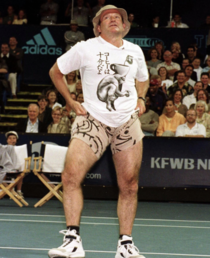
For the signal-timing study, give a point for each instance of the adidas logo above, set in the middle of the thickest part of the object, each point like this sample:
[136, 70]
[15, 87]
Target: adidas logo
[42, 44]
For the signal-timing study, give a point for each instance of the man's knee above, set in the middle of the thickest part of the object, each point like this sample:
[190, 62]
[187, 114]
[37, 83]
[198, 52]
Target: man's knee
[129, 186]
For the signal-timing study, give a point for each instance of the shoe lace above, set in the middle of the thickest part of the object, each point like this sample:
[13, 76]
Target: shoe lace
[128, 249]
[66, 233]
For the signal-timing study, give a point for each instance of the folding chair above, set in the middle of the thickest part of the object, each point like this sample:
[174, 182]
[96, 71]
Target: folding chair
[22, 167]
[51, 162]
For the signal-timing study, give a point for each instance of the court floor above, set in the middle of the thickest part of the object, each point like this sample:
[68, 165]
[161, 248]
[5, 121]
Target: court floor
[161, 230]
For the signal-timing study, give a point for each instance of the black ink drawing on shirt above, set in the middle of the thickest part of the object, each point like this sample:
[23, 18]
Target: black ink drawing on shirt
[110, 87]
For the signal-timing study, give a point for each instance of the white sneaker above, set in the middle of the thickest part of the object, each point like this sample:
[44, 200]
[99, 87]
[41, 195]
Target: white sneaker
[71, 247]
[127, 249]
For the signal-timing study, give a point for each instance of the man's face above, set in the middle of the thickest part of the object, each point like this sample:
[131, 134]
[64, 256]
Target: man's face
[11, 140]
[181, 77]
[131, 17]
[202, 95]
[111, 22]
[13, 41]
[74, 27]
[177, 18]
[33, 112]
[167, 56]
[42, 103]
[188, 71]
[198, 86]
[191, 116]
[153, 89]
[205, 79]
[196, 63]
[10, 10]
[185, 63]
[190, 52]
[4, 49]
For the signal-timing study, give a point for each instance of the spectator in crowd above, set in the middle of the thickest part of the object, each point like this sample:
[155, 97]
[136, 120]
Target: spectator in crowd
[176, 57]
[169, 121]
[48, 12]
[71, 81]
[153, 61]
[185, 62]
[17, 52]
[191, 128]
[21, 18]
[180, 84]
[32, 123]
[179, 107]
[52, 99]
[78, 87]
[188, 74]
[191, 99]
[177, 19]
[204, 96]
[205, 81]
[4, 84]
[169, 65]
[12, 67]
[131, 18]
[206, 25]
[191, 54]
[44, 111]
[149, 120]
[80, 97]
[157, 97]
[160, 49]
[73, 36]
[197, 67]
[80, 13]
[177, 46]
[10, 15]
[165, 81]
[65, 119]
[56, 126]
[207, 68]
[202, 116]
[155, 22]
[96, 8]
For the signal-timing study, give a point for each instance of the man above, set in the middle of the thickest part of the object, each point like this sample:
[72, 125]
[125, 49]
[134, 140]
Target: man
[16, 52]
[169, 65]
[149, 120]
[12, 65]
[186, 62]
[191, 128]
[11, 137]
[188, 74]
[157, 97]
[110, 67]
[32, 124]
[81, 13]
[177, 22]
[180, 84]
[48, 12]
[191, 99]
[96, 8]
[191, 53]
[205, 81]
[73, 36]
[10, 15]
[197, 67]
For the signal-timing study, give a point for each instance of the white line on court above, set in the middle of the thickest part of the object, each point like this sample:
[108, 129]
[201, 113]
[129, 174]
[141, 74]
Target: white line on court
[90, 217]
[97, 251]
[104, 224]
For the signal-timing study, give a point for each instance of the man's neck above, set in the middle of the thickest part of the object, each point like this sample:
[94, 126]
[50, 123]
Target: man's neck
[114, 40]
[181, 84]
[33, 121]
[168, 62]
[190, 125]
[12, 47]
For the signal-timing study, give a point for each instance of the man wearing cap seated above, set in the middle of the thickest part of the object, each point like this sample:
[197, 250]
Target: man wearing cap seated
[73, 36]
[114, 81]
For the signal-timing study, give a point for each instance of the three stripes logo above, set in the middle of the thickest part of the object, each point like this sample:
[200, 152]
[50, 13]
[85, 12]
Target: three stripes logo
[42, 44]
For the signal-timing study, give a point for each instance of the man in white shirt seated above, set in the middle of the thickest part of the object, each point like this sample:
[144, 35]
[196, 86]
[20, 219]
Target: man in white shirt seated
[197, 68]
[191, 99]
[191, 128]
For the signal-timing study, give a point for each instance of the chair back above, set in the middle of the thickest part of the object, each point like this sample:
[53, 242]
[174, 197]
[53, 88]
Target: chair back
[54, 158]
[21, 153]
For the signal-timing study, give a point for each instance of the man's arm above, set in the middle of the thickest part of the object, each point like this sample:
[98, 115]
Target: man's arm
[58, 80]
[142, 88]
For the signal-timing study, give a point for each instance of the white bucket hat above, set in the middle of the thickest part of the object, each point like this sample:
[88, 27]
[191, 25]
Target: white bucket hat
[123, 13]
[11, 133]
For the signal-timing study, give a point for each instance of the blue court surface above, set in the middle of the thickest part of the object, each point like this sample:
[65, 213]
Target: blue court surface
[161, 230]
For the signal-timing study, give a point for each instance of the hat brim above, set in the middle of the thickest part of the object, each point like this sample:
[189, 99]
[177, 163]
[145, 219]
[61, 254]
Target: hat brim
[123, 13]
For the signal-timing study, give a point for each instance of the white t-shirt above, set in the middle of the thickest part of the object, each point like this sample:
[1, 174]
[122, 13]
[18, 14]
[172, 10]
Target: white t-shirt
[189, 100]
[197, 129]
[108, 76]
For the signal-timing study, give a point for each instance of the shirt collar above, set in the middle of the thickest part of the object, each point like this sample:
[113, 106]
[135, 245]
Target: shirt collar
[29, 122]
[7, 55]
[110, 45]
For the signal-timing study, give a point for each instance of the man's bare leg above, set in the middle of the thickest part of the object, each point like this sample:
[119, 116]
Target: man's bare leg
[79, 159]
[127, 164]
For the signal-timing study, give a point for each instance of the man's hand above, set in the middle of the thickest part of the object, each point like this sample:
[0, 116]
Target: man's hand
[77, 107]
[140, 106]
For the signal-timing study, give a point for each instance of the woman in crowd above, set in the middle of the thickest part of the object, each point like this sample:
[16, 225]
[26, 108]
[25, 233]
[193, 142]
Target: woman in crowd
[207, 68]
[56, 126]
[202, 116]
[71, 80]
[20, 19]
[44, 111]
[52, 99]
[160, 49]
[80, 97]
[169, 121]
[204, 96]
[176, 46]
[165, 81]
[153, 61]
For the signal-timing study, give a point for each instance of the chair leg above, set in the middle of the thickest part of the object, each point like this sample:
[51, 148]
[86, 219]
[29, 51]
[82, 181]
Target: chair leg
[19, 197]
[11, 195]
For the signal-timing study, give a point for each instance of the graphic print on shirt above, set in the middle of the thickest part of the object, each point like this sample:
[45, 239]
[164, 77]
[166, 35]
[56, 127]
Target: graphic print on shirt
[110, 87]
